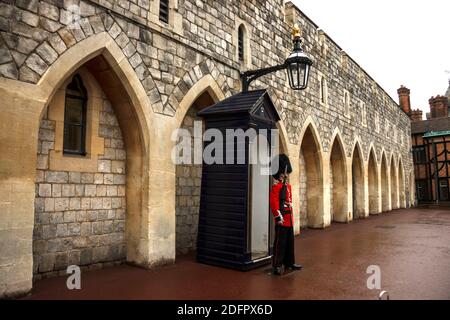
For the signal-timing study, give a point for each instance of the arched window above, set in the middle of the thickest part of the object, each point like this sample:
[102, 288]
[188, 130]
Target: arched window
[241, 43]
[75, 118]
[164, 10]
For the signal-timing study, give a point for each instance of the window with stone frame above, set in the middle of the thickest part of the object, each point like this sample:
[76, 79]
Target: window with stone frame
[241, 43]
[75, 111]
[164, 11]
[322, 43]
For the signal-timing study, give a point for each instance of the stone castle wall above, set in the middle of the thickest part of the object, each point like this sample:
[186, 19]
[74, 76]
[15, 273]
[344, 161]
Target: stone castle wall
[188, 188]
[170, 62]
[169, 59]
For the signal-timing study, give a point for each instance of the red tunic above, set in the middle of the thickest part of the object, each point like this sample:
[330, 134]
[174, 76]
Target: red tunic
[275, 203]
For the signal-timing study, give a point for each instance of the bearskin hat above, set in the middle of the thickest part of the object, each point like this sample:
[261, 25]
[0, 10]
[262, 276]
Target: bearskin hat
[284, 166]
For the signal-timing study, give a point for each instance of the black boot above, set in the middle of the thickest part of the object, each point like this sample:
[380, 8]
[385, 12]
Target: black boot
[295, 266]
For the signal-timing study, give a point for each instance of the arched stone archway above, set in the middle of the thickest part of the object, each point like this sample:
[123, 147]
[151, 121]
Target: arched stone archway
[311, 180]
[374, 197]
[402, 187]
[384, 185]
[394, 185]
[189, 178]
[202, 94]
[338, 182]
[81, 203]
[147, 244]
[97, 209]
[358, 187]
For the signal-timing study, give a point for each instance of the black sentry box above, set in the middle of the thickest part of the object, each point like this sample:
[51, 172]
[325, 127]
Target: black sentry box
[235, 225]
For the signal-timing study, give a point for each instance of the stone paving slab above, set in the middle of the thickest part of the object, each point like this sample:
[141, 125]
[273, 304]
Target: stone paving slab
[411, 247]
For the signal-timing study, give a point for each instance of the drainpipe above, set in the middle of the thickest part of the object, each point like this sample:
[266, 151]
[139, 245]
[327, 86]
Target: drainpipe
[436, 173]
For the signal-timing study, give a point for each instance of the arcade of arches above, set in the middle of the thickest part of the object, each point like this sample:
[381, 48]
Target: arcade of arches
[123, 199]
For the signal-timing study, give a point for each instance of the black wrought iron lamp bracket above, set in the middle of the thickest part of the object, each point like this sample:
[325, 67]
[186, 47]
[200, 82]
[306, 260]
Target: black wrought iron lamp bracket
[251, 75]
[292, 63]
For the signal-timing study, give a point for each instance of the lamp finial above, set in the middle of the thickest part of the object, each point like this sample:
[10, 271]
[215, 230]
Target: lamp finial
[296, 31]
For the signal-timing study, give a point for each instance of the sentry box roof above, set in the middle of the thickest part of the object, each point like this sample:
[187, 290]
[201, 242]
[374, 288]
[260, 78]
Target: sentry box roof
[257, 104]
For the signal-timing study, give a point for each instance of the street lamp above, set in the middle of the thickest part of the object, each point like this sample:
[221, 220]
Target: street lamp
[297, 65]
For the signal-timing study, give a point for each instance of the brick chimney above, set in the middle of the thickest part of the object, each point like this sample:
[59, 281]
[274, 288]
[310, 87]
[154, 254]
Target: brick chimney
[439, 107]
[416, 115]
[404, 100]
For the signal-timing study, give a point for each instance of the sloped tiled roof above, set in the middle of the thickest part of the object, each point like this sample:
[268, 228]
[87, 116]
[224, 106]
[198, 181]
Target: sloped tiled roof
[438, 124]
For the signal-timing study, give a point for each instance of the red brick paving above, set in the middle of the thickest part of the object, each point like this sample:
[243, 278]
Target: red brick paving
[411, 246]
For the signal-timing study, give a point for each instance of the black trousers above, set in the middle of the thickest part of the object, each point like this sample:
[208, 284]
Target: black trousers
[283, 247]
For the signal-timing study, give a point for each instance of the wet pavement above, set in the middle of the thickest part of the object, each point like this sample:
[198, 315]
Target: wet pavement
[411, 247]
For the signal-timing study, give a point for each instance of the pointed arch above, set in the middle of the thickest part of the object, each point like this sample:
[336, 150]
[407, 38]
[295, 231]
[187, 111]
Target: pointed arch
[373, 181]
[337, 135]
[131, 105]
[338, 179]
[384, 181]
[311, 125]
[311, 177]
[356, 146]
[188, 176]
[358, 182]
[393, 183]
[205, 84]
[188, 84]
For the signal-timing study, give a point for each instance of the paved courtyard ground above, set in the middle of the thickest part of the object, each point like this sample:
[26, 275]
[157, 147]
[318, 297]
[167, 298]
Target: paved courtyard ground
[411, 247]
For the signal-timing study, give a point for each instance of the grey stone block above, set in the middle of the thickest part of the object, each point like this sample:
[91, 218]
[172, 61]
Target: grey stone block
[70, 216]
[61, 260]
[49, 11]
[31, 5]
[46, 262]
[56, 177]
[86, 256]
[74, 257]
[61, 204]
[74, 229]
[74, 177]
[61, 230]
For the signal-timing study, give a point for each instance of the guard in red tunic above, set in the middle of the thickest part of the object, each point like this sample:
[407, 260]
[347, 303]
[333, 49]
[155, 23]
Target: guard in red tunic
[281, 207]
